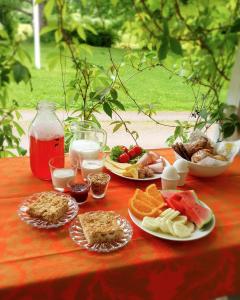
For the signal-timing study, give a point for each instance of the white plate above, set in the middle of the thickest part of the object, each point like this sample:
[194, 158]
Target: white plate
[197, 234]
[155, 176]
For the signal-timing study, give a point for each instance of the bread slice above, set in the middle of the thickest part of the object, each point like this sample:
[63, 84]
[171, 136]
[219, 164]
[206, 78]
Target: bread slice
[49, 207]
[100, 226]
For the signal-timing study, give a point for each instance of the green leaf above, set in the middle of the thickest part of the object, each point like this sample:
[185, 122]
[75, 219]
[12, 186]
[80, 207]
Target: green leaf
[177, 131]
[135, 134]
[95, 120]
[163, 50]
[58, 35]
[170, 140]
[175, 46]
[106, 148]
[203, 114]
[18, 128]
[200, 125]
[20, 73]
[118, 104]
[114, 2]
[165, 28]
[48, 28]
[84, 3]
[52, 63]
[21, 151]
[76, 96]
[228, 129]
[236, 26]
[81, 33]
[117, 126]
[114, 94]
[107, 108]
[1, 139]
[24, 56]
[48, 8]
[234, 117]
[90, 28]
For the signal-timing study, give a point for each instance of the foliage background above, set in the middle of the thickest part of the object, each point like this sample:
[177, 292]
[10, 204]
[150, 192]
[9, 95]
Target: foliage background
[191, 42]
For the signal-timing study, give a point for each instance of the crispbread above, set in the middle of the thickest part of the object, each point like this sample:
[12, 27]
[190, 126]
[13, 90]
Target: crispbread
[100, 226]
[49, 207]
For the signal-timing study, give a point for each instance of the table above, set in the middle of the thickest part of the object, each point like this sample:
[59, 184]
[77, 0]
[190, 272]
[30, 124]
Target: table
[47, 264]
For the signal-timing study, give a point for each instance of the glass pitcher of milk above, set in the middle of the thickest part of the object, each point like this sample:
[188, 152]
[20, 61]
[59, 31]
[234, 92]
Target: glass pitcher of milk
[88, 140]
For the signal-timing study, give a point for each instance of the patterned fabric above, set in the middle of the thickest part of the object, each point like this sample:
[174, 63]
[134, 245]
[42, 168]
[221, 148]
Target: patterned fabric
[47, 264]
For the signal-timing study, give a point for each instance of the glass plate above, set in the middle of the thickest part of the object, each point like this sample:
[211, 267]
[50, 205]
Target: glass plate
[77, 235]
[36, 222]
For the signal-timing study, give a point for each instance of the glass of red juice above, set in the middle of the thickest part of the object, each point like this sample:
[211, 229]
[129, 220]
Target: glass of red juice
[79, 191]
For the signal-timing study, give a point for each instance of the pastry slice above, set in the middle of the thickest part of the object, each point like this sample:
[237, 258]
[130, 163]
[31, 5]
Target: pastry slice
[100, 226]
[49, 207]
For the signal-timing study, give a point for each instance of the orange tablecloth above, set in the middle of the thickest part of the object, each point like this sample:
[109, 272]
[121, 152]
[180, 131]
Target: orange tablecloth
[47, 264]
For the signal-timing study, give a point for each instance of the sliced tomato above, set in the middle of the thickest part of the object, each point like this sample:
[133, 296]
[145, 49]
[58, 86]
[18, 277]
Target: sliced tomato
[124, 158]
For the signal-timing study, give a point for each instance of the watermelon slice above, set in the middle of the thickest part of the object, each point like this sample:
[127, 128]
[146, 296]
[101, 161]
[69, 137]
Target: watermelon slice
[187, 204]
[174, 202]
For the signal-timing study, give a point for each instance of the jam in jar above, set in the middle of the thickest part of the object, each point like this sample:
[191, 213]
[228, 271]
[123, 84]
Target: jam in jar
[79, 191]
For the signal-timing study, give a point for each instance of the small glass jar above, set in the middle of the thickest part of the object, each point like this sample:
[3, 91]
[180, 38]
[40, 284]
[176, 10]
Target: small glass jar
[79, 191]
[99, 184]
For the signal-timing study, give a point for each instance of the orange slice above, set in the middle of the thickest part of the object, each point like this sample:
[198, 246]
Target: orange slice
[148, 198]
[155, 193]
[140, 209]
[139, 194]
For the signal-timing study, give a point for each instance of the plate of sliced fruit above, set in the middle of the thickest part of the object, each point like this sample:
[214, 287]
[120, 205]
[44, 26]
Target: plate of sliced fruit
[135, 163]
[172, 215]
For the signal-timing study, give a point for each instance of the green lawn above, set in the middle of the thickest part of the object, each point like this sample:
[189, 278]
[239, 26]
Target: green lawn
[149, 86]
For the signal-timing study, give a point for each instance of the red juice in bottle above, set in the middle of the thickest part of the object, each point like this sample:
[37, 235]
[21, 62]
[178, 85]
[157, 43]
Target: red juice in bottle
[41, 151]
[46, 135]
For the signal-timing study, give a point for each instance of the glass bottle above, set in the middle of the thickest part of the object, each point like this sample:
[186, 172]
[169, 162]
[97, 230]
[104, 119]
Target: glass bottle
[46, 135]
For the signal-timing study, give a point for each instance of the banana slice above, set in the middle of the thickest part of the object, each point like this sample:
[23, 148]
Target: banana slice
[181, 219]
[169, 224]
[181, 230]
[190, 226]
[170, 221]
[150, 223]
[173, 215]
[163, 225]
[169, 214]
[166, 212]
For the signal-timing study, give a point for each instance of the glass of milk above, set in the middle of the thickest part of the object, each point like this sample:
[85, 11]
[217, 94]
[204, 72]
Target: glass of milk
[63, 171]
[92, 165]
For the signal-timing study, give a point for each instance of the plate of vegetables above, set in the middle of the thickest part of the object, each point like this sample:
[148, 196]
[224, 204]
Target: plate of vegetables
[135, 163]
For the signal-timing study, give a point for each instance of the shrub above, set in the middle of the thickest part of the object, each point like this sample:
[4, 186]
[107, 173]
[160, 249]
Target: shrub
[105, 34]
[105, 37]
